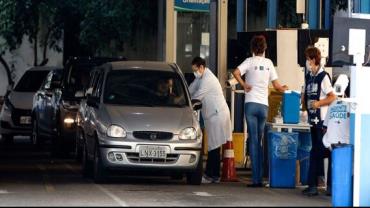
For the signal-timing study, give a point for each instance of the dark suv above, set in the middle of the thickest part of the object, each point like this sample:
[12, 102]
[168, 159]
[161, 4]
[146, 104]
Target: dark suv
[64, 102]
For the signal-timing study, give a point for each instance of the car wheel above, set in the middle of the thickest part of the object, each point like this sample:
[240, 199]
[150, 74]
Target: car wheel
[35, 137]
[7, 138]
[58, 147]
[78, 146]
[99, 169]
[86, 163]
[195, 178]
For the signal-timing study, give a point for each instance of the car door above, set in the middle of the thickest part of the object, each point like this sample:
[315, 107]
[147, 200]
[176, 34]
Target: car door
[91, 114]
[53, 96]
[43, 97]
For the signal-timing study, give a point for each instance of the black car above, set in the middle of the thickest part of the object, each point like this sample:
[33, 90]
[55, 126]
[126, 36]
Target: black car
[62, 103]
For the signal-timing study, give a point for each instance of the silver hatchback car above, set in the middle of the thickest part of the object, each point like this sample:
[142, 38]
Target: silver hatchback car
[139, 116]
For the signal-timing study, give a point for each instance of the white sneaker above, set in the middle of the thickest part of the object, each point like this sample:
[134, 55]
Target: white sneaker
[206, 180]
[218, 180]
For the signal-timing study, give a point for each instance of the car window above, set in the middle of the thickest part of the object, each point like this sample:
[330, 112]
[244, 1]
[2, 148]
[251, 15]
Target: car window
[31, 81]
[145, 88]
[47, 82]
[98, 85]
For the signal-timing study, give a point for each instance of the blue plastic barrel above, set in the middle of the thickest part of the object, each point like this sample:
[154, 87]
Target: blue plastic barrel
[282, 159]
[303, 155]
[290, 107]
[304, 165]
[342, 175]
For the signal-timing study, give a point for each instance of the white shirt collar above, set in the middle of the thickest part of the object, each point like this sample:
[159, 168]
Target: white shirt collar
[320, 70]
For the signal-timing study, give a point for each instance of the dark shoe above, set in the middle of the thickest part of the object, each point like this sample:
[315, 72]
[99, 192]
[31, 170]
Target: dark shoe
[310, 191]
[328, 191]
[255, 185]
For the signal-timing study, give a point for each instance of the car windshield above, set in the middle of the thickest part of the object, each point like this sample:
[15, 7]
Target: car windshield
[145, 88]
[31, 81]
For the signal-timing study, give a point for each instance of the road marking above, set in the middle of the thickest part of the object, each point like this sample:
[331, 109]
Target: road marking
[113, 196]
[4, 192]
[48, 186]
[206, 194]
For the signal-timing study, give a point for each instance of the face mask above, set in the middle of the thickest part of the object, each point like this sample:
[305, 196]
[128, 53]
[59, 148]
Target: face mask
[308, 66]
[197, 74]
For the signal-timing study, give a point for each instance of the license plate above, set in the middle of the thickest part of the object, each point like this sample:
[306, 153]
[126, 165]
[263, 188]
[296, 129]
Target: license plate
[25, 120]
[152, 152]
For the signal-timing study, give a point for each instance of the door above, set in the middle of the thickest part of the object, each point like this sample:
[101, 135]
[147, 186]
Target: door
[91, 115]
[44, 98]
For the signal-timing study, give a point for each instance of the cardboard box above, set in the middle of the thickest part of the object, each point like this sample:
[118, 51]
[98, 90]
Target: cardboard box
[275, 100]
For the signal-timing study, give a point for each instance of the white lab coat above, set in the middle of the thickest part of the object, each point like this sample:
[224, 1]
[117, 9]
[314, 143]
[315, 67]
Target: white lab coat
[215, 112]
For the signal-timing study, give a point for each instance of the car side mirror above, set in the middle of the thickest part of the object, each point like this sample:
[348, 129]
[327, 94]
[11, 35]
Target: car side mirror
[89, 92]
[92, 101]
[79, 94]
[197, 104]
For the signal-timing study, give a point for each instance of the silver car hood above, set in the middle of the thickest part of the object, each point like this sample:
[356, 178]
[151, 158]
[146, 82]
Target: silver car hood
[149, 118]
[21, 100]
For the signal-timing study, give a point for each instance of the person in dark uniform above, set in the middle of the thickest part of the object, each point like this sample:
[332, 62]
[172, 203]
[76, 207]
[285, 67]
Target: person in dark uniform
[318, 95]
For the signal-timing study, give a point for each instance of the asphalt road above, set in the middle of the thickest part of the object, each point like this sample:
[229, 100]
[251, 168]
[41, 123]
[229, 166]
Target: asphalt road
[30, 177]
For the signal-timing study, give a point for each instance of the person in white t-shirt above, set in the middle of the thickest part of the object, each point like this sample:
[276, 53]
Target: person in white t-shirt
[259, 72]
[337, 123]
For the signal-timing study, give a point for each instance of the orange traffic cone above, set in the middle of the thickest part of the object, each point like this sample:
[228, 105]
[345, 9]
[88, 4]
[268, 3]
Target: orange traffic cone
[228, 163]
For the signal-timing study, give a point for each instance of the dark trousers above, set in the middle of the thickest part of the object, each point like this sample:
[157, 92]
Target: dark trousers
[213, 163]
[316, 168]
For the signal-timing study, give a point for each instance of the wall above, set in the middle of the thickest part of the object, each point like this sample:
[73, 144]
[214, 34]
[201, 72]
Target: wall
[22, 59]
[288, 69]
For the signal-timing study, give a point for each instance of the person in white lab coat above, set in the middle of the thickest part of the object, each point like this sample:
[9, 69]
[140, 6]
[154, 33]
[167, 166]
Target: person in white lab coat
[215, 113]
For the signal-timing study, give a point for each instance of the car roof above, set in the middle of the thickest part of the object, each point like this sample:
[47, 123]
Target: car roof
[92, 61]
[43, 68]
[139, 65]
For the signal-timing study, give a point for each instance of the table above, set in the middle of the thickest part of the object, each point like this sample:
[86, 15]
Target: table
[290, 127]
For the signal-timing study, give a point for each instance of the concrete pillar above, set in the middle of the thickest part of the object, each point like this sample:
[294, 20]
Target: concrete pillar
[170, 31]
[272, 8]
[313, 14]
[240, 15]
[222, 41]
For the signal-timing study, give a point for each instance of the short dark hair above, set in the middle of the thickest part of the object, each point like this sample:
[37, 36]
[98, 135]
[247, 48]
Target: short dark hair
[258, 44]
[198, 61]
[313, 53]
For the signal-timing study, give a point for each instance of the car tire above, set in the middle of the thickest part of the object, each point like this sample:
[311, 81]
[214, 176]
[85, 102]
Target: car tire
[195, 178]
[59, 149]
[99, 169]
[36, 139]
[7, 138]
[87, 167]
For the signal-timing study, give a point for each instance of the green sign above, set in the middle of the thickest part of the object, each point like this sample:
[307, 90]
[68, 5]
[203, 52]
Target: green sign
[192, 5]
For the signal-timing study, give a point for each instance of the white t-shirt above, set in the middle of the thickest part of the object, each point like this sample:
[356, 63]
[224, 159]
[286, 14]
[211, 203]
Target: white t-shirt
[337, 121]
[259, 72]
[326, 88]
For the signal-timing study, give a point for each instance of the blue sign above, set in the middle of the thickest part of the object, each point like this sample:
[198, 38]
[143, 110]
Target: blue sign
[192, 5]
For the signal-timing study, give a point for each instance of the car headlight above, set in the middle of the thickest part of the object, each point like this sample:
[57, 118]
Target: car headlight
[188, 134]
[8, 106]
[116, 132]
